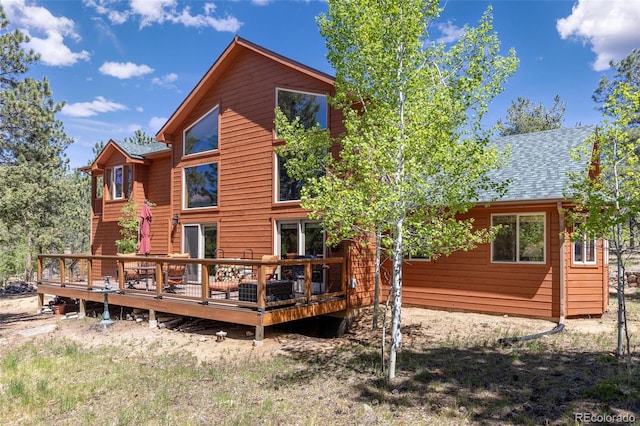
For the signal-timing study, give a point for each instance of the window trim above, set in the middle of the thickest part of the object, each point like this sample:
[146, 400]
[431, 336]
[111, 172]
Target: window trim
[184, 187]
[127, 182]
[276, 180]
[410, 258]
[584, 242]
[202, 117]
[113, 183]
[518, 261]
[324, 95]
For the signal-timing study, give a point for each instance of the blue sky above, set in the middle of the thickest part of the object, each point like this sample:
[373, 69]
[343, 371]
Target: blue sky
[127, 65]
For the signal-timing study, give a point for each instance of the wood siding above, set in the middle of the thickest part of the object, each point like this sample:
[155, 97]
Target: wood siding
[586, 294]
[150, 182]
[246, 211]
[244, 89]
[469, 281]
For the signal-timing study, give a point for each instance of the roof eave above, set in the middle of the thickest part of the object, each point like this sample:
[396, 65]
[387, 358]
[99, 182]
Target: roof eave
[521, 202]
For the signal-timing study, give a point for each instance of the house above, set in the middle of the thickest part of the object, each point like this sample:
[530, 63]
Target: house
[532, 268]
[220, 192]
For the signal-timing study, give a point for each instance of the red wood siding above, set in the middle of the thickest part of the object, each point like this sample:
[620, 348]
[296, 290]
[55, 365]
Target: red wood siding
[469, 281]
[246, 211]
[585, 294]
[245, 91]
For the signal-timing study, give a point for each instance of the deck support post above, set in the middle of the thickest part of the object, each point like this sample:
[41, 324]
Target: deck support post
[153, 322]
[40, 303]
[259, 337]
[83, 308]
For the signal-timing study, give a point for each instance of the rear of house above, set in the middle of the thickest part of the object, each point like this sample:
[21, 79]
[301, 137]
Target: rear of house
[218, 188]
[220, 191]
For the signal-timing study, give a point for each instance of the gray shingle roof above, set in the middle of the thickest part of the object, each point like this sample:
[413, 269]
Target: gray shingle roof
[139, 151]
[539, 162]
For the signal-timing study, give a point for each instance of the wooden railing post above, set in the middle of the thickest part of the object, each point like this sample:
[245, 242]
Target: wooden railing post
[89, 273]
[307, 280]
[160, 277]
[261, 289]
[39, 273]
[205, 282]
[121, 274]
[160, 268]
[63, 273]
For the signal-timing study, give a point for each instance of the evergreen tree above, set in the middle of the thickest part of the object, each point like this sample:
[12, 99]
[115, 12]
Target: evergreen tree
[525, 117]
[32, 145]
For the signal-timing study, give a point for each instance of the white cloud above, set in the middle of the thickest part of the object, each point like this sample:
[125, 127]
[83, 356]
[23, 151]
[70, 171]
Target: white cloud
[53, 51]
[261, 2]
[124, 70]
[104, 7]
[450, 32]
[89, 109]
[47, 32]
[611, 27]
[161, 11]
[165, 81]
[156, 123]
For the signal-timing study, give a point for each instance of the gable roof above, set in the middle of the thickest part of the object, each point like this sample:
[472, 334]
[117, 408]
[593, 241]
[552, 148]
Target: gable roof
[237, 47]
[136, 153]
[538, 164]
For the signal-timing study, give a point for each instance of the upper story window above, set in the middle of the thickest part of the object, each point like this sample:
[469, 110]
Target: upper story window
[120, 181]
[203, 135]
[521, 239]
[288, 189]
[584, 249]
[309, 108]
[200, 186]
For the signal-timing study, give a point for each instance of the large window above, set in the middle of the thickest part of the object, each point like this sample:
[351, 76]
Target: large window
[203, 135]
[201, 186]
[120, 181]
[288, 189]
[520, 239]
[310, 109]
[584, 250]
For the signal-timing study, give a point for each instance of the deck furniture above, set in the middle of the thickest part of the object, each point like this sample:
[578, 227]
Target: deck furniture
[175, 272]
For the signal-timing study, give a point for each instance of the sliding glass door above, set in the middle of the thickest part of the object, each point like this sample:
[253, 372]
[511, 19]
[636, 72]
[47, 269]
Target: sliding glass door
[200, 241]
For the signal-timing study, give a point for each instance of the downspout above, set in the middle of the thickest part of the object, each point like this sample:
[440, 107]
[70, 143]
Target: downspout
[563, 301]
[563, 298]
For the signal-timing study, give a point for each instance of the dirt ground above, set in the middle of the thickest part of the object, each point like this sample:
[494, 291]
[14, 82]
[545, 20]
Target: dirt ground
[19, 322]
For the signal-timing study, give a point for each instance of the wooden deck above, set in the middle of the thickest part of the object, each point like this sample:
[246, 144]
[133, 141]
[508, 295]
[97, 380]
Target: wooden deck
[303, 288]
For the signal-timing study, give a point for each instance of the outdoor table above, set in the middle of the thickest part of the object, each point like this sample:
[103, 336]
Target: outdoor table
[142, 270]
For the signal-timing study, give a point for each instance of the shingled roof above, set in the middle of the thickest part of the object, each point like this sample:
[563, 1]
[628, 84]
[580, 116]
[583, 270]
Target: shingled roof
[140, 151]
[538, 164]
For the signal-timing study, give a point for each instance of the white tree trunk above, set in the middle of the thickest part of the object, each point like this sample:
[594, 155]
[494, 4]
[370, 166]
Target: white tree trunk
[396, 306]
[376, 282]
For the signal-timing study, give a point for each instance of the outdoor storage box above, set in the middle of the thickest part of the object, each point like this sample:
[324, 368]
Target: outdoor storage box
[276, 290]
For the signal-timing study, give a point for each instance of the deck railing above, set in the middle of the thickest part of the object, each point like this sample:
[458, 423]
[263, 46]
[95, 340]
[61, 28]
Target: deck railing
[225, 281]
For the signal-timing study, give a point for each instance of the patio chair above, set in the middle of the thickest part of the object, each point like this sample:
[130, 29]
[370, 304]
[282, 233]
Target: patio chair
[175, 272]
[131, 276]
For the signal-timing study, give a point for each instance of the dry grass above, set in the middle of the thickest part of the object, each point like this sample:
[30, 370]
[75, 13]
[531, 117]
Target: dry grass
[451, 371]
